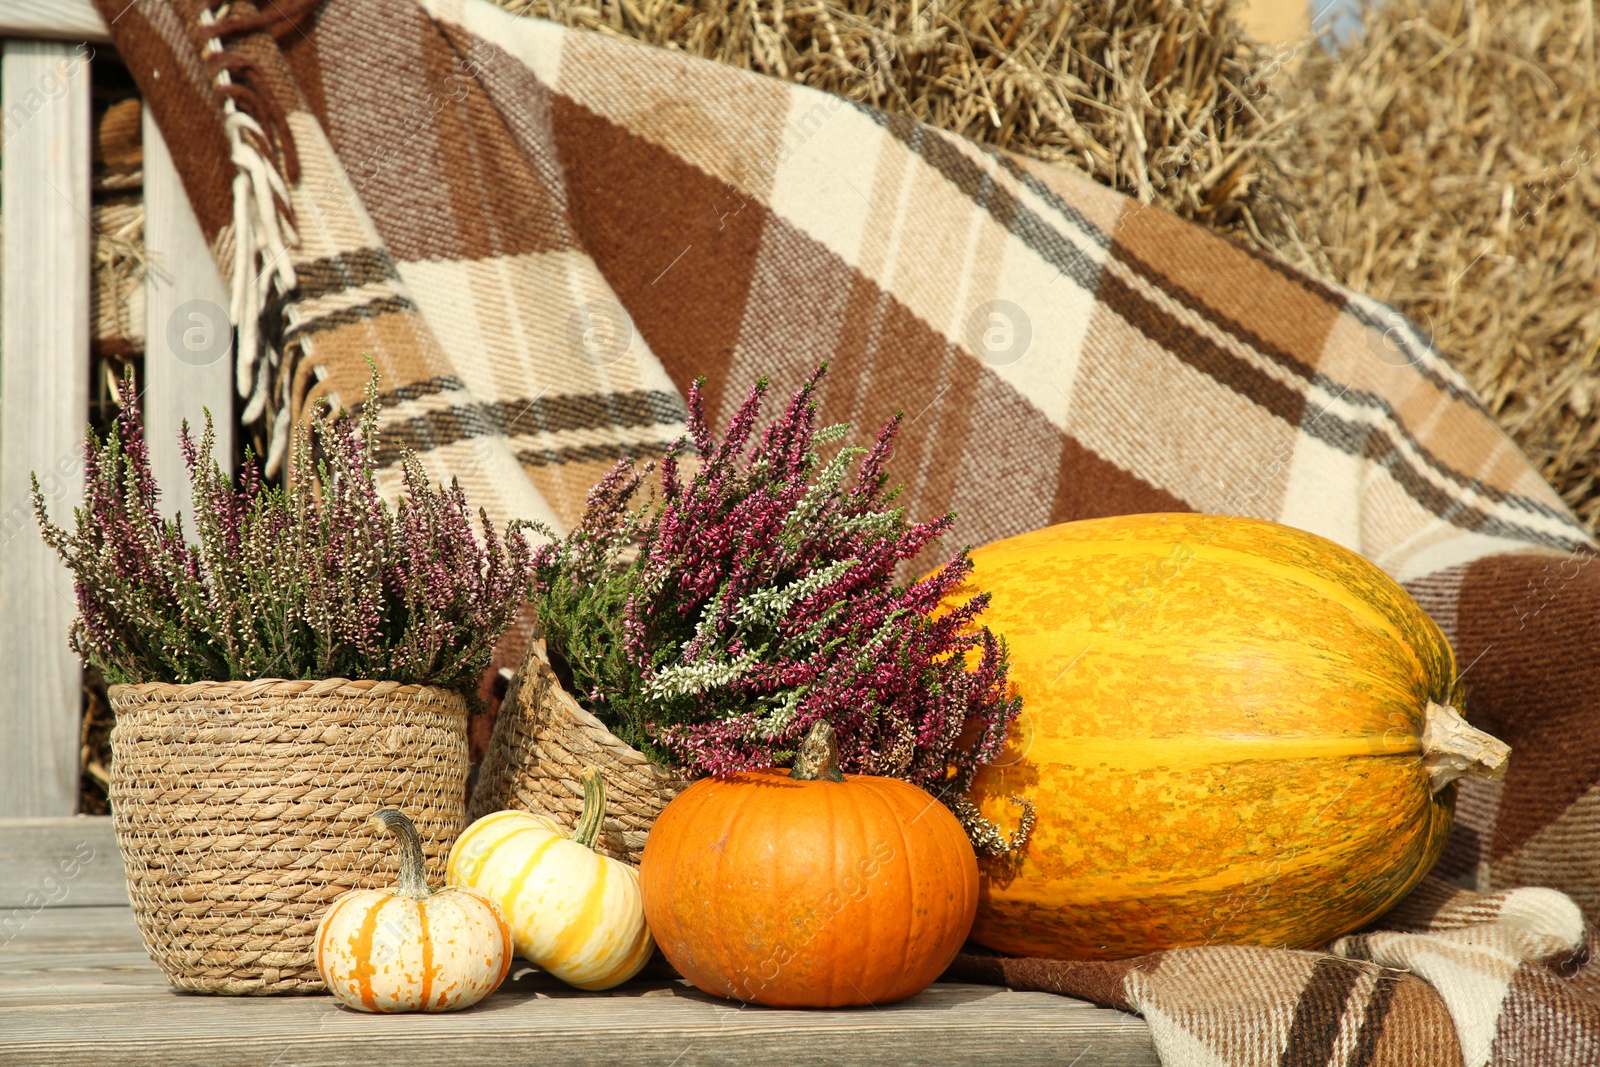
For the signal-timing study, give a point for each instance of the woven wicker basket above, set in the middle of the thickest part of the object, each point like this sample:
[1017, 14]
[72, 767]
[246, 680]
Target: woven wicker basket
[241, 812]
[543, 739]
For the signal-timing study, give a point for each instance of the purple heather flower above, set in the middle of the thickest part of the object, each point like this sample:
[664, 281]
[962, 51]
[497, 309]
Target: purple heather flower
[322, 579]
[717, 622]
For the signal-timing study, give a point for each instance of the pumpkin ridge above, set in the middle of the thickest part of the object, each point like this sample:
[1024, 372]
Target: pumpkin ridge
[504, 925]
[520, 882]
[721, 901]
[322, 944]
[485, 848]
[894, 814]
[864, 904]
[646, 947]
[1330, 589]
[581, 927]
[830, 951]
[1207, 551]
[427, 955]
[361, 948]
[1114, 888]
[1179, 750]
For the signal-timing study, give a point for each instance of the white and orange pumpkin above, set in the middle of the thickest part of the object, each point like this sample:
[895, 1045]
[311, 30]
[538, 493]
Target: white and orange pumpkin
[411, 949]
[573, 912]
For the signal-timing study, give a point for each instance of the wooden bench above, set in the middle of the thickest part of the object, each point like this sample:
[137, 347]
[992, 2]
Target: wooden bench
[76, 988]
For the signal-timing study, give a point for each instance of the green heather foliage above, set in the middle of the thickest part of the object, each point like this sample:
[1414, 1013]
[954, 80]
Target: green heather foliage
[320, 580]
[713, 624]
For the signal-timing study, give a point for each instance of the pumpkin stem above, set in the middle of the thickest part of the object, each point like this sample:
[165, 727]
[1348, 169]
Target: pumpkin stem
[819, 756]
[593, 817]
[1452, 748]
[413, 882]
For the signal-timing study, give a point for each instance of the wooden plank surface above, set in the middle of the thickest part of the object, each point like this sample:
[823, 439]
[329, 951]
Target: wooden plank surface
[62, 934]
[44, 405]
[188, 359]
[69, 1007]
[70, 20]
[534, 1020]
[76, 989]
[52, 863]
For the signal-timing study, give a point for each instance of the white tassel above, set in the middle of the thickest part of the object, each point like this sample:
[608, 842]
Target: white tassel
[238, 303]
[258, 394]
[278, 442]
[261, 261]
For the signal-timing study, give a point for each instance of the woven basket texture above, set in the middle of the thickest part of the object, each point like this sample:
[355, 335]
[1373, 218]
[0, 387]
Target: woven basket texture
[543, 740]
[241, 812]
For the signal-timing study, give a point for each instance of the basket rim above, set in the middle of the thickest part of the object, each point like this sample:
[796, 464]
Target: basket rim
[125, 696]
[583, 719]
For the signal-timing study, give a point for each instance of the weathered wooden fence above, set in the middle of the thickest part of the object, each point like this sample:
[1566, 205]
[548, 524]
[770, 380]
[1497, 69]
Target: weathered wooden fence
[48, 57]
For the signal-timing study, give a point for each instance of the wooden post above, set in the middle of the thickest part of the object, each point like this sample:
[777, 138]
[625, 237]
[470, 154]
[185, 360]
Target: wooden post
[188, 359]
[57, 20]
[44, 403]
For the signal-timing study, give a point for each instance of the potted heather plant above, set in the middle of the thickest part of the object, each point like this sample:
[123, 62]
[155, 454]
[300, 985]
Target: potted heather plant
[704, 629]
[298, 660]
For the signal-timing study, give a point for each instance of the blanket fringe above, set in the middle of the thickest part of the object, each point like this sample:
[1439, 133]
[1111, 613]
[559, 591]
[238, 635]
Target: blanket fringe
[263, 234]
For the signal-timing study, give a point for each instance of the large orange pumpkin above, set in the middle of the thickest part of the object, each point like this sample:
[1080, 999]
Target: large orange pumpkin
[808, 890]
[1233, 731]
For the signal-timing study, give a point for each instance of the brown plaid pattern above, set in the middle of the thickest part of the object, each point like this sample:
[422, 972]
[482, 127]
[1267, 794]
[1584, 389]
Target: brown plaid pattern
[541, 236]
[1453, 977]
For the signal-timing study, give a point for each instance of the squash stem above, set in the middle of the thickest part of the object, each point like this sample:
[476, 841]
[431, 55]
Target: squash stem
[819, 756]
[1453, 748]
[594, 809]
[413, 881]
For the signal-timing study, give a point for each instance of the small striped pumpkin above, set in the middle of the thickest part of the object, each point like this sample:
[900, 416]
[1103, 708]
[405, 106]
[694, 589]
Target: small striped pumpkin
[411, 949]
[574, 913]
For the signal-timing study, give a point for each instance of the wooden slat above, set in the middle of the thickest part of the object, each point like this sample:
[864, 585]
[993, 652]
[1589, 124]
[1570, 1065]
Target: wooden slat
[69, 20]
[84, 976]
[44, 269]
[62, 941]
[46, 863]
[75, 986]
[188, 359]
[641, 1023]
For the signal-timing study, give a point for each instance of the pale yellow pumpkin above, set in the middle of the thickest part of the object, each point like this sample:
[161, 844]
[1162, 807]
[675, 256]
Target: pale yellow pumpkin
[411, 949]
[573, 912]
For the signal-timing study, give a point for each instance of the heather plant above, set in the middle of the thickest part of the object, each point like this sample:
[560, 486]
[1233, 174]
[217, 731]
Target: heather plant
[322, 579]
[713, 624]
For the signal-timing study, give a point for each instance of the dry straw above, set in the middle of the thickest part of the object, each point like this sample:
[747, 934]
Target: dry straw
[1156, 98]
[241, 813]
[1447, 164]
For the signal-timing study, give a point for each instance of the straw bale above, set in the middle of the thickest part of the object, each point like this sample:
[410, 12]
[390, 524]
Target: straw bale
[1446, 162]
[1157, 98]
[117, 216]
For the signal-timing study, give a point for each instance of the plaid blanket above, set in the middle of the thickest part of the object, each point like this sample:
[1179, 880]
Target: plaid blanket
[541, 236]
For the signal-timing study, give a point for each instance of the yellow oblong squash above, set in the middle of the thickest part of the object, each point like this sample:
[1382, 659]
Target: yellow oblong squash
[1233, 732]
